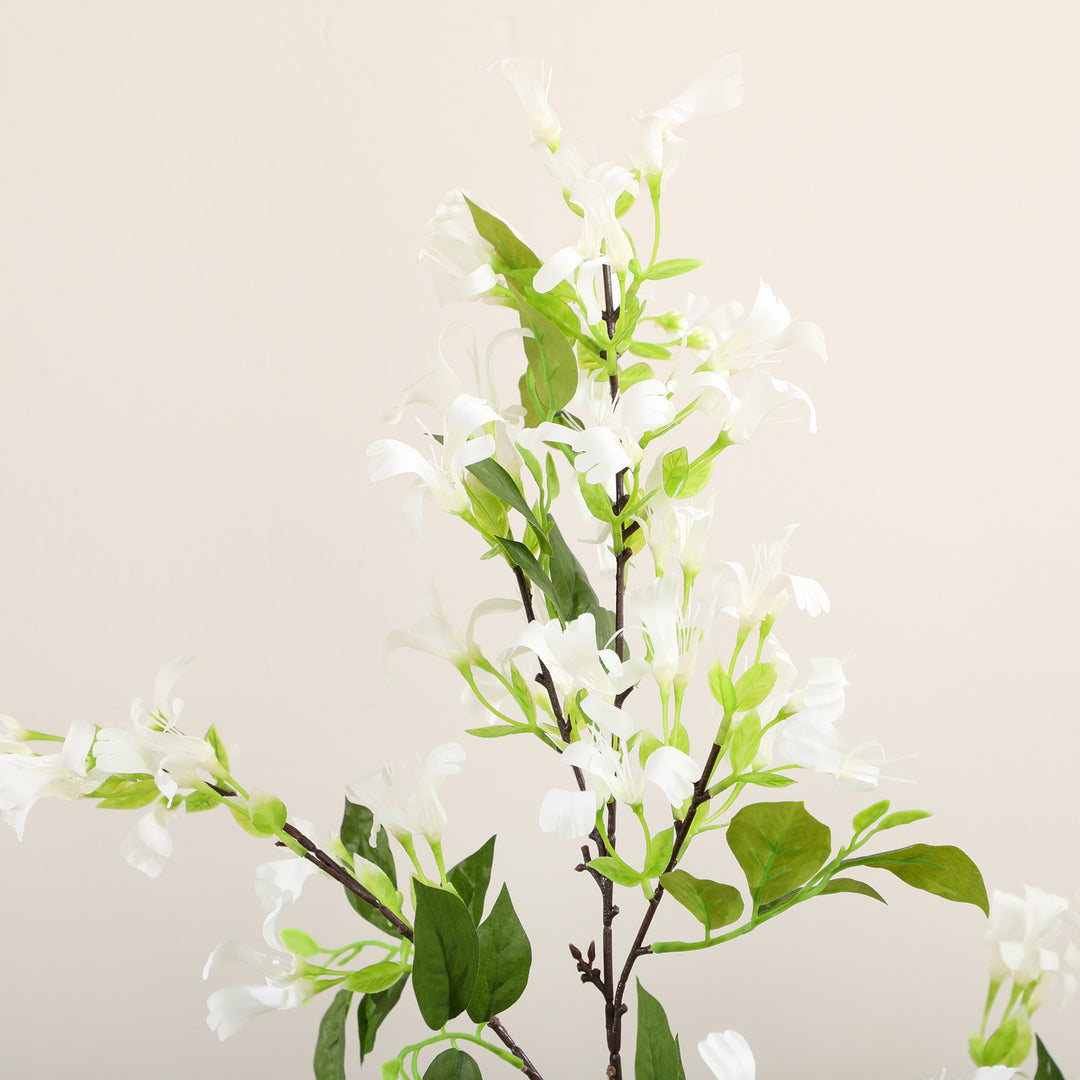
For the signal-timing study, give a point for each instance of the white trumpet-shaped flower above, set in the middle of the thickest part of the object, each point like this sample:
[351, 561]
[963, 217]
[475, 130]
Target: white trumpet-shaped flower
[532, 81]
[408, 807]
[441, 475]
[570, 815]
[1021, 931]
[673, 772]
[741, 416]
[728, 1056]
[459, 257]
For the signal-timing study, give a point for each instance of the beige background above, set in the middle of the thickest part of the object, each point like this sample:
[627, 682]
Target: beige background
[210, 213]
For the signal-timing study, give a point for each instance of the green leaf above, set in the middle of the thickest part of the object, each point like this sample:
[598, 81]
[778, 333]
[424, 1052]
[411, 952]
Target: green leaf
[779, 846]
[671, 268]
[471, 877]
[503, 486]
[299, 943]
[520, 556]
[453, 1064]
[551, 474]
[616, 871]
[850, 885]
[635, 373]
[376, 977]
[214, 739]
[676, 469]
[944, 871]
[722, 688]
[1045, 1069]
[373, 1010]
[657, 1056]
[127, 794]
[200, 801]
[497, 731]
[624, 202]
[768, 778]
[1011, 1043]
[523, 693]
[267, 812]
[356, 824]
[865, 818]
[658, 854]
[330, 1045]
[505, 959]
[549, 304]
[696, 482]
[390, 1070]
[649, 350]
[745, 742]
[903, 817]
[754, 685]
[513, 252]
[551, 373]
[446, 955]
[712, 903]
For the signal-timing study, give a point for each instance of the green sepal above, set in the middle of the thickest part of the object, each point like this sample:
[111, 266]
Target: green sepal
[779, 846]
[624, 202]
[852, 885]
[513, 252]
[330, 1044]
[373, 1010]
[657, 1055]
[470, 878]
[376, 977]
[504, 963]
[943, 870]
[712, 903]
[453, 1064]
[1045, 1069]
[615, 870]
[446, 955]
[669, 268]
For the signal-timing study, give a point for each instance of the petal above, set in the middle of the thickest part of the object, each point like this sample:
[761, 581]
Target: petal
[728, 1055]
[673, 772]
[558, 268]
[148, 846]
[568, 814]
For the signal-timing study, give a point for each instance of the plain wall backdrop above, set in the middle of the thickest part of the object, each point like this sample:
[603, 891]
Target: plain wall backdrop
[209, 296]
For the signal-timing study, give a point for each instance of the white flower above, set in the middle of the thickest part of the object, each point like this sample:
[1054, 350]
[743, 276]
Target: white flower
[673, 772]
[610, 773]
[718, 90]
[672, 635]
[148, 845]
[751, 600]
[570, 815]
[1019, 930]
[532, 80]
[231, 1008]
[728, 1055]
[26, 777]
[278, 884]
[405, 808]
[460, 258]
[13, 737]
[443, 474]
[741, 416]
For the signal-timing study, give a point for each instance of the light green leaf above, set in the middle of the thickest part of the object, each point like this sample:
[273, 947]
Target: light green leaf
[505, 960]
[657, 1056]
[523, 693]
[712, 903]
[754, 685]
[1046, 1069]
[376, 977]
[944, 871]
[618, 872]
[471, 877]
[649, 350]
[635, 373]
[373, 1010]
[671, 268]
[768, 778]
[214, 739]
[126, 794]
[865, 818]
[551, 473]
[903, 817]
[1011, 1043]
[745, 741]
[676, 469]
[503, 486]
[779, 846]
[551, 373]
[658, 854]
[200, 801]
[722, 688]
[267, 812]
[851, 885]
[512, 251]
[330, 1044]
[497, 731]
[446, 955]
[298, 943]
[453, 1064]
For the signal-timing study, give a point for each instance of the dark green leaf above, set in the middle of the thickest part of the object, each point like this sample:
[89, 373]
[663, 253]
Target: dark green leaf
[944, 871]
[446, 956]
[657, 1056]
[376, 977]
[373, 1010]
[1046, 1069]
[512, 251]
[710, 902]
[659, 853]
[754, 685]
[355, 837]
[615, 871]
[471, 876]
[330, 1045]
[779, 847]
[865, 818]
[572, 583]
[850, 885]
[502, 485]
[522, 557]
[505, 959]
[453, 1064]
[649, 351]
[676, 469]
[672, 268]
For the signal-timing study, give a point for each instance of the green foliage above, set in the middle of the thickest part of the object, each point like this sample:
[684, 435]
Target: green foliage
[453, 1064]
[712, 903]
[267, 813]
[125, 791]
[865, 818]
[356, 824]
[944, 871]
[376, 977]
[635, 373]
[373, 1010]
[514, 254]
[649, 350]
[446, 955]
[658, 854]
[330, 1044]
[657, 1056]
[504, 961]
[1010, 1044]
[1045, 1069]
[576, 594]
[616, 871]
[471, 877]
[551, 372]
[745, 742]
[903, 817]
[503, 486]
[779, 846]
[675, 470]
[669, 268]
[851, 885]
[723, 689]
[299, 943]
[754, 685]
